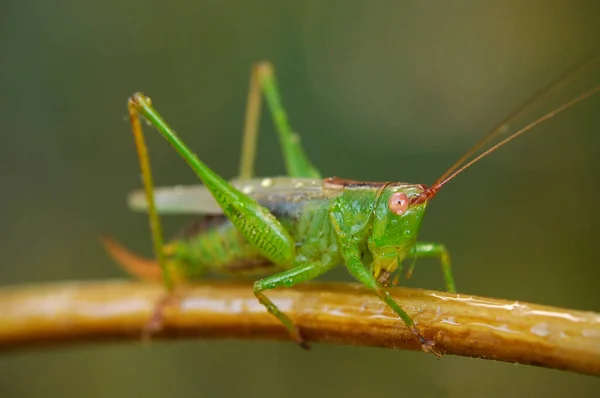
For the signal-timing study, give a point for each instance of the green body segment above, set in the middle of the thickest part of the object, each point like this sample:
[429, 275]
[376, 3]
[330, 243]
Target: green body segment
[214, 245]
[292, 235]
[345, 215]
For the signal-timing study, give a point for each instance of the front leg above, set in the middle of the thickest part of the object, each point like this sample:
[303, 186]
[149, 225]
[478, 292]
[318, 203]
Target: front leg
[438, 250]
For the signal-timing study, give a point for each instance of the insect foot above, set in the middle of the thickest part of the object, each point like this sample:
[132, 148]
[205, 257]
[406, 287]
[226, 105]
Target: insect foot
[426, 345]
[156, 321]
[296, 335]
[304, 345]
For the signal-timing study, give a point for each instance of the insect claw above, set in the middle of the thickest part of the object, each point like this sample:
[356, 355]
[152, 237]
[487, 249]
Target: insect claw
[297, 337]
[426, 345]
[304, 345]
[156, 321]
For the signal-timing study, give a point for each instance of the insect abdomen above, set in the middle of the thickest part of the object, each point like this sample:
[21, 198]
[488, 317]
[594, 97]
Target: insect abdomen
[213, 244]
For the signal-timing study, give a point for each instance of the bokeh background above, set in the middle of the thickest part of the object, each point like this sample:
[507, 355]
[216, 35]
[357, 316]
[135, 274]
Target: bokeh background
[389, 90]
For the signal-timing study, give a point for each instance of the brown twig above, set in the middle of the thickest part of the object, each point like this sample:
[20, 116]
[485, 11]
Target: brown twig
[328, 313]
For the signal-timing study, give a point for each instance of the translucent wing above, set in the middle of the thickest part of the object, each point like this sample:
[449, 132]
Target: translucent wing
[197, 199]
[176, 200]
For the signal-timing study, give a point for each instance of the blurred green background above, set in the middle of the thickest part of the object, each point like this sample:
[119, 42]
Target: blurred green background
[394, 90]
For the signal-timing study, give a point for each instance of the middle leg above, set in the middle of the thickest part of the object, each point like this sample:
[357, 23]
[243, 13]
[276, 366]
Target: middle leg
[300, 273]
[362, 274]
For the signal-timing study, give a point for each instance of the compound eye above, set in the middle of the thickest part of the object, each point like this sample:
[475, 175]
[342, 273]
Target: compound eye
[398, 203]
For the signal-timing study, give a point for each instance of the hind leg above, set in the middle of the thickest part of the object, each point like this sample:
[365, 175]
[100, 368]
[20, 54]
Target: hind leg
[262, 79]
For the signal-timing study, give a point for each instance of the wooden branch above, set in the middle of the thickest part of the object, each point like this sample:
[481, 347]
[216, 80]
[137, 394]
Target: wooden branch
[77, 312]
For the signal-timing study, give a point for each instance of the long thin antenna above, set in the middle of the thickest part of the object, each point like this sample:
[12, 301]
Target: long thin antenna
[432, 191]
[501, 127]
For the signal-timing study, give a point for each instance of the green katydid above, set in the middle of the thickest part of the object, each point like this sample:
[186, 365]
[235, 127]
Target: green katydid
[291, 228]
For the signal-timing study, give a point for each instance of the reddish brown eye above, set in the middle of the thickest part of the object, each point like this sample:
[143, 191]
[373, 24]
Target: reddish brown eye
[398, 203]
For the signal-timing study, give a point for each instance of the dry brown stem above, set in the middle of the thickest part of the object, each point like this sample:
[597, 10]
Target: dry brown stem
[77, 312]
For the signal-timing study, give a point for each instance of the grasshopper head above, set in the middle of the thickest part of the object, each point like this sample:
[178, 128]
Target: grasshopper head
[395, 227]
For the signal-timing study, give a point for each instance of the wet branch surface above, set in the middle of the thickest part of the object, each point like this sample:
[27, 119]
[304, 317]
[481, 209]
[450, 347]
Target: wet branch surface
[91, 312]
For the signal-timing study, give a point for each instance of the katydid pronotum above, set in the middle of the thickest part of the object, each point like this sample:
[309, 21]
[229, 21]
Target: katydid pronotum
[297, 227]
